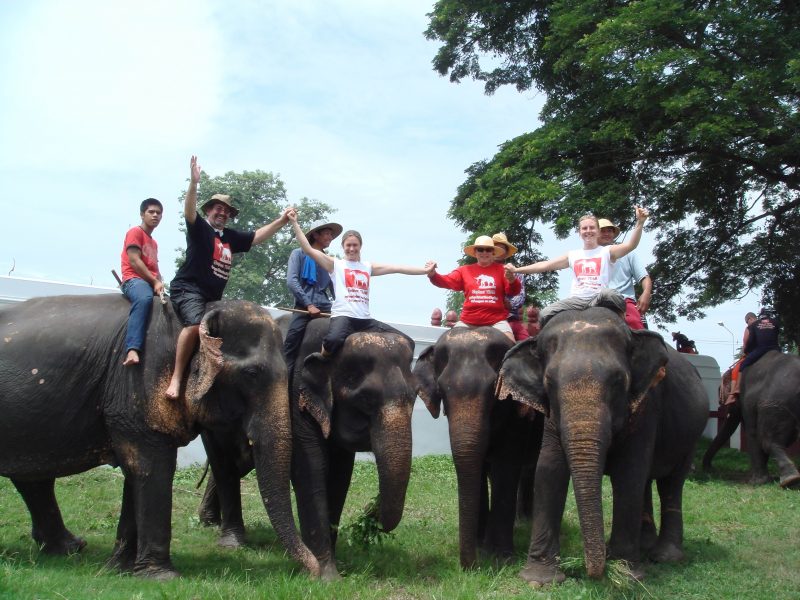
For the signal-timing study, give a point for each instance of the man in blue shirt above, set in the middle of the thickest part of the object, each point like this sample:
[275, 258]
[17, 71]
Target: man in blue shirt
[625, 274]
[310, 285]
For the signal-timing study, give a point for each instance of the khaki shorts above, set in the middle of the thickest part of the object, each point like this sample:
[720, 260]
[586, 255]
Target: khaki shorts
[500, 325]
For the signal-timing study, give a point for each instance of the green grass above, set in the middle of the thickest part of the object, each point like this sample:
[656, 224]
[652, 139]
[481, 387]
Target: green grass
[741, 542]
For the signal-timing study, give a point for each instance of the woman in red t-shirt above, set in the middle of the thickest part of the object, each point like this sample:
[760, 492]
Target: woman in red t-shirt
[485, 285]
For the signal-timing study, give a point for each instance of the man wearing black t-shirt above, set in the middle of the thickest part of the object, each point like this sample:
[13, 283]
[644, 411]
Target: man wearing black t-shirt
[203, 275]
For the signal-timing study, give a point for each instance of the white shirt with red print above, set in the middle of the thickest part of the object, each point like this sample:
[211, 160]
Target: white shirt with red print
[591, 271]
[351, 286]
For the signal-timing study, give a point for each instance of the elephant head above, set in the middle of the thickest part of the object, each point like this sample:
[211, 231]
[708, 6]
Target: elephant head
[590, 374]
[238, 378]
[362, 400]
[460, 371]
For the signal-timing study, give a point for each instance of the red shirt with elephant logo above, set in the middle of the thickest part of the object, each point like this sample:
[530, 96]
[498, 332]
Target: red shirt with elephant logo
[485, 289]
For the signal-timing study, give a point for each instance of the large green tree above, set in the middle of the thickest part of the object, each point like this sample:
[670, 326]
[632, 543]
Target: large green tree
[259, 275]
[687, 107]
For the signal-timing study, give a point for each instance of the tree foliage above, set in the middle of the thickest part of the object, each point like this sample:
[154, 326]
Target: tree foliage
[689, 108]
[260, 274]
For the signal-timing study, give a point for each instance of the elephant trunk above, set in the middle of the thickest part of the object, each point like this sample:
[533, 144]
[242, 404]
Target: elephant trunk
[586, 432]
[391, 442]
[270, 435]
[469, 438]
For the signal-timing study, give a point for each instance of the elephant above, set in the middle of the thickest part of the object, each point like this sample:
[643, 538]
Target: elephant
[359, 400]
[68, 405]
[617, 402]
[488, 438]
[769, 394]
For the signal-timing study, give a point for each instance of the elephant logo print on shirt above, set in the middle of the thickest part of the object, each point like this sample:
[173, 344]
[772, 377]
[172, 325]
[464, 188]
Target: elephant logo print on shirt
[222, 252]
[356, 279]
[486, 282]
[587, 267]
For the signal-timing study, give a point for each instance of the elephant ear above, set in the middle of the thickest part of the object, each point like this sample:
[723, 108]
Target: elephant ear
[315, 395]
[427, 386]
[520, 377]
[209, 360]
[648, 360]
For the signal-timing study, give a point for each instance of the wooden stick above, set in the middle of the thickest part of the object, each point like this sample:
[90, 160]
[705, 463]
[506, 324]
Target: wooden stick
[114, 273]
[300, 310]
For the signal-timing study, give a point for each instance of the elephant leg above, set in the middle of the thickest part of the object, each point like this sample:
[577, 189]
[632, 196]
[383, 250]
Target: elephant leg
[550, 489]
[149, 470]
[525, 492]
[781, 435]
[341, 473]
[124, 555]
[209, 511]
[483, 509]
[499, 537]
[670, 491]
[758, 457]
[729, 425]
[629, 476]
[47, 525]
[309, 480]
[648, 536]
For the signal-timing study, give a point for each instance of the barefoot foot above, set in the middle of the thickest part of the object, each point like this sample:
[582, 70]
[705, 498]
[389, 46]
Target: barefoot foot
[131, 359]
[174, 389]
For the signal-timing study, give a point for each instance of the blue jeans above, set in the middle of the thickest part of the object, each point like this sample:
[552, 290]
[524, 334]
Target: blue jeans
[139, 292]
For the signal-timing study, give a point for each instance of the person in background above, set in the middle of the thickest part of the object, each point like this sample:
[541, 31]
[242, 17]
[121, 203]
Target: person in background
[762, 337]
[141, 279]
[533, 321]
[202, 277]
[450, 318]
[626, 273]
[485, 285]
[732, 397]
[513, 303]
[436, 317]
[683, 343]
[311, 287]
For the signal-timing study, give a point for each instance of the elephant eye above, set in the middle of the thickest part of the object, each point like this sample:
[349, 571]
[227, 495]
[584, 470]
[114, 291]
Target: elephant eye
[250, 371]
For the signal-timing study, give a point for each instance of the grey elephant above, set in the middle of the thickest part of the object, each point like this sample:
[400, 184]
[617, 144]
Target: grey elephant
[68, 405]
[770, 406]
[489, 439]
[617, 402]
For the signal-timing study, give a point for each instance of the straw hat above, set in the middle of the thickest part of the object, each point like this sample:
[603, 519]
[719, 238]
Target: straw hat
[500, 238]
[335, 228]
[222, 199]
[601, 223]
[482, 241]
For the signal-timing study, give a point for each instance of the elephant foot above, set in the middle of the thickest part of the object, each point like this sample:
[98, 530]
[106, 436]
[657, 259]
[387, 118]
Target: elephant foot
[328, 571]
[157, 573]
[65, 545]
[232, 538]
[648, 537]
[209, 517]
[759, 479]
[791, 482]
[123, 558]
[666, 553]
[635, 571]
[538, 574]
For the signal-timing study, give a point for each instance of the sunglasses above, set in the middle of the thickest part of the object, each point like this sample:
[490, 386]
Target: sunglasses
[484, 249]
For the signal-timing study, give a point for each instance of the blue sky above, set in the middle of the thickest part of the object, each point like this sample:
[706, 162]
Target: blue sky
[105, 102]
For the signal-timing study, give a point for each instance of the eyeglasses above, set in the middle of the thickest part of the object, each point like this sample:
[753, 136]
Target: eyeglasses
[484, 249]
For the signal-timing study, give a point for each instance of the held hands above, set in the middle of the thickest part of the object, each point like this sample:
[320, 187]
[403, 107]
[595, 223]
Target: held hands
[195, 170]
[430, 268]
[285, 218]
[510, 270]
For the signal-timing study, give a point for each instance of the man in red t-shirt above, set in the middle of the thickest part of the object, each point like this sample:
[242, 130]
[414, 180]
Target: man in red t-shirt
[140, 276]
[485, 285]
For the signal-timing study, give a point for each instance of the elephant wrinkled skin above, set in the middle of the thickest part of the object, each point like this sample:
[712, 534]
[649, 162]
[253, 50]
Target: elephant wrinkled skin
[607, 412]
[69, 405]
[488, 439]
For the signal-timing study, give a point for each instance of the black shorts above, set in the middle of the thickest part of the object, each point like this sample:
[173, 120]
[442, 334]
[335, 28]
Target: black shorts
[189, 304]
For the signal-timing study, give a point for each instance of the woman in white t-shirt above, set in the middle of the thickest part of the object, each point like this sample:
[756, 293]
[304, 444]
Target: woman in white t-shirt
[351, 279]
[591, 267]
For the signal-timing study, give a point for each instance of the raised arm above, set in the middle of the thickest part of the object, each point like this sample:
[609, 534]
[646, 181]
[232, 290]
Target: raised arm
[626, 247]
[403, 269]
[543, 266]
[322, 259]
[190, 201]
[267, 231]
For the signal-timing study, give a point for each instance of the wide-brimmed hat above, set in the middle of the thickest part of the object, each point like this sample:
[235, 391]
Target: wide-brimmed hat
[222, 199]
[482, 241]
[500, 238]
[335, 228]
[601, 223]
